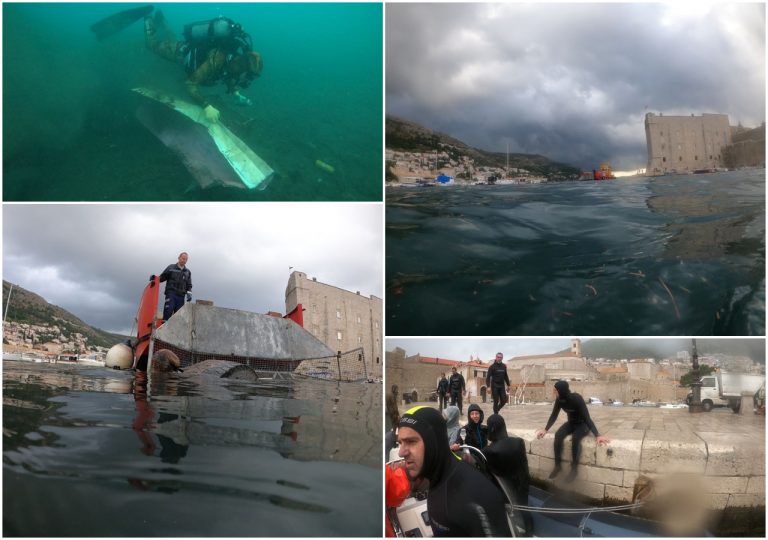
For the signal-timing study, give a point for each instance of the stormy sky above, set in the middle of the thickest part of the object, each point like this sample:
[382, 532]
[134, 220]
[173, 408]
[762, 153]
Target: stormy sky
[94, 260]
[572, 81]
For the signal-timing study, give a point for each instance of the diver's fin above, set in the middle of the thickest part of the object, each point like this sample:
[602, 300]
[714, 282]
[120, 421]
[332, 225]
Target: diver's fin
[119, 21]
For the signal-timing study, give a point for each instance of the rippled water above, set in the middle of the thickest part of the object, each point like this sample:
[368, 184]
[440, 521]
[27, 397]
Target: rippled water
[87, 452]
[677, 255]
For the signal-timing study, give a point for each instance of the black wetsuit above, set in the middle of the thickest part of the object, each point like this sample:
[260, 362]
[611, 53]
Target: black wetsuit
[497, 376]
[579, 423]
[456, 384]
[507, 459]
[442, 390]
[477, 434]
[461, 500]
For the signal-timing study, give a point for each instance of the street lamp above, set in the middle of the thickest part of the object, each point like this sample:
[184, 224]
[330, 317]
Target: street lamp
[695, 405]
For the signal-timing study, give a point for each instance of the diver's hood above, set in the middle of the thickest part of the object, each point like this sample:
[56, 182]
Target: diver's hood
[497, 428]
[451, 415]
[430, 424]
[475, 407]
[563, 389]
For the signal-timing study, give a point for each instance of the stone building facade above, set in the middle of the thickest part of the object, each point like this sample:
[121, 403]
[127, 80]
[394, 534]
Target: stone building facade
[341, 319]
[685, 143]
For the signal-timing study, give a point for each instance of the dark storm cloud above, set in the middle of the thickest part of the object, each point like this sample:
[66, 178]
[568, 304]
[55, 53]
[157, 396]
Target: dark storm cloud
[94, 260]
[572, 81]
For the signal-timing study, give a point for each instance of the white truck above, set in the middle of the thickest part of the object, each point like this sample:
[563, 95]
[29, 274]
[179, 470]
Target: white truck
[724, 389]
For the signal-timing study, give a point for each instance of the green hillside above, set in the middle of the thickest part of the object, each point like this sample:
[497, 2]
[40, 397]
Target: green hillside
[28, 307]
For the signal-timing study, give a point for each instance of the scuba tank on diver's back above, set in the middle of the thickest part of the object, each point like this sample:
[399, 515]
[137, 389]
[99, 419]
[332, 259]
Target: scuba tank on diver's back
[219, 32]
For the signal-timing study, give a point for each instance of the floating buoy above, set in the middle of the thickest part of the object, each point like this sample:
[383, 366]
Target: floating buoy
[323, 165]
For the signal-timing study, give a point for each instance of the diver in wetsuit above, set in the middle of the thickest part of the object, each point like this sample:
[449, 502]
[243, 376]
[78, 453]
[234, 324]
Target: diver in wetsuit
[461, 500]
[458, 388]
[507, 459]
[476, 432]
[579, 424]
[212, 51]
[496, 378]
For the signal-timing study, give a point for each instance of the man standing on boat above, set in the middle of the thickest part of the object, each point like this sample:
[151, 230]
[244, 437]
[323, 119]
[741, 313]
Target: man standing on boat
[579, 424]
[179, 285]
[496, 379]
[458, 388]
[461, 500]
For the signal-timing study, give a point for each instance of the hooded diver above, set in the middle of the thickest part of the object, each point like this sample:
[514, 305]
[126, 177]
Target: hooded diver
[579, 424]
[213, 51]
[461, 501]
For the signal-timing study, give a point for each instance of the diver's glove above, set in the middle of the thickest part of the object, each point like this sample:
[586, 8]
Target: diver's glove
[242, 100]
[211, 114]
[152, 277]
[189, 297]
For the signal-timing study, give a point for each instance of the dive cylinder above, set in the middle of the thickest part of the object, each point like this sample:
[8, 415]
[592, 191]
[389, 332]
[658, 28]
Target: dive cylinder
[217, 32]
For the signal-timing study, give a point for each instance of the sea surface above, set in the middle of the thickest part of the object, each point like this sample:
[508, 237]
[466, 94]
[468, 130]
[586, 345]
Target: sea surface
[70, 132]
[673, 255]
[89, 451]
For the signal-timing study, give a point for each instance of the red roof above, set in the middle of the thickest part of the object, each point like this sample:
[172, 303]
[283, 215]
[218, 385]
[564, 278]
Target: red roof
[451, 363]
[438, 361]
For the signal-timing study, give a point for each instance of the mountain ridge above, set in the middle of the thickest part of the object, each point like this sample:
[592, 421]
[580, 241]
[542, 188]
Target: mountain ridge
[31, 308]
[409, 136]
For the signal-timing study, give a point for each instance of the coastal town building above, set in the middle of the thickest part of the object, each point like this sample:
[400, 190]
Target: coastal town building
[685, 143]
[421, 167]
[44, 338]
[341, 319]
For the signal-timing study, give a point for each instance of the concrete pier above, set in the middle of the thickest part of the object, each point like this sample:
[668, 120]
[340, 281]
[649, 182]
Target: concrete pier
[724, 451]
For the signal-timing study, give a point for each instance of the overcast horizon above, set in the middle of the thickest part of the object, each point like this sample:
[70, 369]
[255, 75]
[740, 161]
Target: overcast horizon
[572, 81]
[94, 260]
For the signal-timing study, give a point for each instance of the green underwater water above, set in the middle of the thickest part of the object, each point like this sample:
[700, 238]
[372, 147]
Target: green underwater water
[70, 131]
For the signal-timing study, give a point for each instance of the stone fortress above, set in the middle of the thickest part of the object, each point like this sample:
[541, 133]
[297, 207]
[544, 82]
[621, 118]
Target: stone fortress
[341, 319]
[683, 144]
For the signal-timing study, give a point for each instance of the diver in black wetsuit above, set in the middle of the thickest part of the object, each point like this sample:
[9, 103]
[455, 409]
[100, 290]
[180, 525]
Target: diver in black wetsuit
[476, 432]
[461, 500]
[507, 459]
[579, 424]
[495, 380]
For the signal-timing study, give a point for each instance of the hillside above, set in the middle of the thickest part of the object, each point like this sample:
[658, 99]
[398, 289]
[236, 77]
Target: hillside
[406, 136]
[646, 348]
[28, 307]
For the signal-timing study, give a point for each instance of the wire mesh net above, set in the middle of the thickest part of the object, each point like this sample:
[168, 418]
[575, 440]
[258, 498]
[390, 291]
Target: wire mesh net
[348, 366]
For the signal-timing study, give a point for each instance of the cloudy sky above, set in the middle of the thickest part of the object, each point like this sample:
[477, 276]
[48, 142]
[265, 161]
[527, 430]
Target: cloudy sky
[94, 260]
[486, 349]
[572, 81]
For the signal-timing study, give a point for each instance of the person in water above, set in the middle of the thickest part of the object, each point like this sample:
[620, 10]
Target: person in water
[179, 286]
[579, 424]
[213, 51]
[461, 501]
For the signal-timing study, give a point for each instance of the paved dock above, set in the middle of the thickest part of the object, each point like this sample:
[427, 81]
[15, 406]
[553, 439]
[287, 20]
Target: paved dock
[723, 451]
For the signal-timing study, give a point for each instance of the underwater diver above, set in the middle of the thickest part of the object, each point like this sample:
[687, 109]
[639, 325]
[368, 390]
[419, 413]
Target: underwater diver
[579, 425]
[213, 51]
[462, 501]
